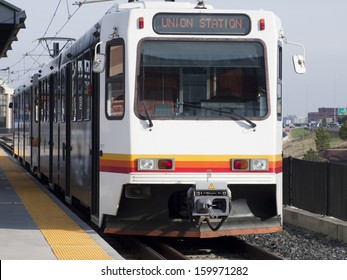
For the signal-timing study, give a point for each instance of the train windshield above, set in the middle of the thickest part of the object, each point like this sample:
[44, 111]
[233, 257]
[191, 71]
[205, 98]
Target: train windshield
[201, 80]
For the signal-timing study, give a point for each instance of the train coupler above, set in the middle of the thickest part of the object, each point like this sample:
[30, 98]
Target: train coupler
[210, 200]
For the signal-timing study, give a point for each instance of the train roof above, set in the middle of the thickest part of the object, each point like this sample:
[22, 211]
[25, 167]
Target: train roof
[167, 5]
[158, 5]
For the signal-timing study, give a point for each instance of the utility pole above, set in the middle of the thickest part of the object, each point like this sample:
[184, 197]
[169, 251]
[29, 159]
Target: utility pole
[334, 112]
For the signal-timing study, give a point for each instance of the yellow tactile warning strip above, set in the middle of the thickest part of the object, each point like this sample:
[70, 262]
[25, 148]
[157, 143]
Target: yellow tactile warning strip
[66, 238]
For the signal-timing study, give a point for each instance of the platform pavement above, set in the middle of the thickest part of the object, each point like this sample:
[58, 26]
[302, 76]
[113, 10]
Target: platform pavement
[20, 237]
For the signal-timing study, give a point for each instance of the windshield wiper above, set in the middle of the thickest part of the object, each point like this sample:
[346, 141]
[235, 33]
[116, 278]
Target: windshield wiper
[232, 113]
[150, 123]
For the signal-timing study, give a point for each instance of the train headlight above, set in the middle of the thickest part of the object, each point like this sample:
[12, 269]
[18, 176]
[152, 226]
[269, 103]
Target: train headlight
[259, 164]
[146, 164]
[155, 164]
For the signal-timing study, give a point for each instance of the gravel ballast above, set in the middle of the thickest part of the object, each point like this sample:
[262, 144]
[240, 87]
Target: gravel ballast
[296, 243]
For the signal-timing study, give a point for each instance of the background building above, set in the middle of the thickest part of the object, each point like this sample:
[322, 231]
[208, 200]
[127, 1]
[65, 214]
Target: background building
[329, 114]
[5, 112]
[12, 20]
[294, 120]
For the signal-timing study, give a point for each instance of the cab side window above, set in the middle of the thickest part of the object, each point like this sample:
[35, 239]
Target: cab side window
[115, 80]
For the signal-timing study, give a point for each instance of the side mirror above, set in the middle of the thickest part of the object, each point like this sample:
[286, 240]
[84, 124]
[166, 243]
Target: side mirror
[10, 105]
[299, 64]
[298, 60]
[99, 63]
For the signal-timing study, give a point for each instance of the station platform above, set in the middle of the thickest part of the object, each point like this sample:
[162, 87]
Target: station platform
[34, 225]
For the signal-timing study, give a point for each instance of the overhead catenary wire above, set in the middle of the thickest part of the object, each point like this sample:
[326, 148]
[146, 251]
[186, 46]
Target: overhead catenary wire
[36, 62]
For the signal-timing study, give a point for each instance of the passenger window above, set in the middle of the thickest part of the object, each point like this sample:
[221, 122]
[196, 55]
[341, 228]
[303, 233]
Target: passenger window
[74, 91]
[86, 87]
[56, 97]
[115, 81]
[63, 94]
[36, 102]
[80, 88]
[44, 100]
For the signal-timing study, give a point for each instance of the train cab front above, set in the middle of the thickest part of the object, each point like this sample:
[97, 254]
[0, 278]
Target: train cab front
[203, 210]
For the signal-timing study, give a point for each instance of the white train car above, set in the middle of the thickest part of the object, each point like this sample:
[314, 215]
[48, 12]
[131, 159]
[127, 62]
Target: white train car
[191, 134]
[165, 119]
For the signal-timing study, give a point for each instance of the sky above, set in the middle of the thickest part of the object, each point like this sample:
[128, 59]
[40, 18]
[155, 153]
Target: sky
[318, 25]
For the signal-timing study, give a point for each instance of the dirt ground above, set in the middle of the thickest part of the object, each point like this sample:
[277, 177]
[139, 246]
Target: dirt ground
[298, 147]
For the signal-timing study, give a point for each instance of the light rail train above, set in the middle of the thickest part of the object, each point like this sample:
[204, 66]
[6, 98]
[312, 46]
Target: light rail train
[163, 119]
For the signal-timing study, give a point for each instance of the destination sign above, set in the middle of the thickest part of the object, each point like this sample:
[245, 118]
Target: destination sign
[208, 24]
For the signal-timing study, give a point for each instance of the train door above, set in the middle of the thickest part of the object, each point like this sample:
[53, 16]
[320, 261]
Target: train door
[16, 104]
[35, 134]
[45, 127]
[20, 126]
[65, 116]
[95, 93]
[27, 127]
[81, 130]
[55, 144]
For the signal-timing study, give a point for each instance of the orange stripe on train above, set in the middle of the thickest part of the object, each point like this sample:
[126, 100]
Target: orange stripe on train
[124, 167]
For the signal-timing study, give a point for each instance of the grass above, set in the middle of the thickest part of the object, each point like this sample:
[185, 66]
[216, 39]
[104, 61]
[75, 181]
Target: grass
[300, 133]
[301, 140]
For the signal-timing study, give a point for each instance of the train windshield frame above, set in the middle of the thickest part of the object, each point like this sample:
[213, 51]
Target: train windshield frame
[214, 79]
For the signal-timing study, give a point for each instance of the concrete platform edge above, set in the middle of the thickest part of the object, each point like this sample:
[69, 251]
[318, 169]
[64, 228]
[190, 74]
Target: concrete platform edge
[330, 226]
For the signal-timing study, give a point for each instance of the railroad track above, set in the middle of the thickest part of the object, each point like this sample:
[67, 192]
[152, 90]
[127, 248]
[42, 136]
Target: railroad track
[222, 248]
[139, 248]
[226, 248]
[6, 143]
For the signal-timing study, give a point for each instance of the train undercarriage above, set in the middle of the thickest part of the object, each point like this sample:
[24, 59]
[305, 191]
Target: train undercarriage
[187, 211]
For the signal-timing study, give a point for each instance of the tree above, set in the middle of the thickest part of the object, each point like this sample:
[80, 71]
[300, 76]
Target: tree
[324, 122]
[312, 155]
[322, 139]
[342, 119]
[343, 131]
